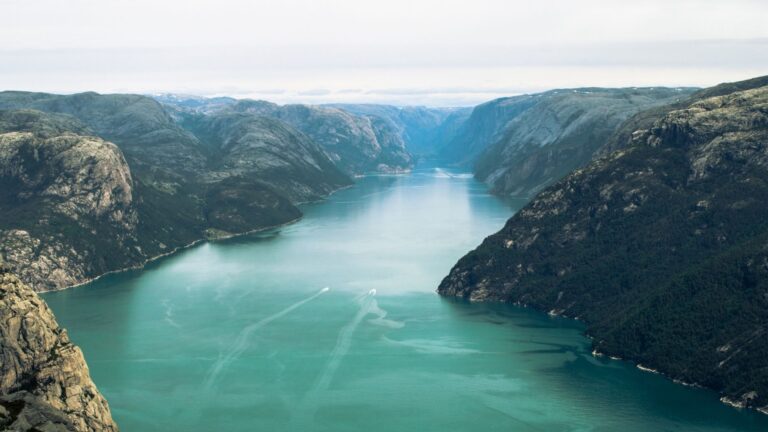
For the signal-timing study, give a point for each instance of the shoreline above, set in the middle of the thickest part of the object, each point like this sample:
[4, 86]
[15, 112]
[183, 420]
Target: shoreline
[173, 251]
[177, 249]
[724, 399]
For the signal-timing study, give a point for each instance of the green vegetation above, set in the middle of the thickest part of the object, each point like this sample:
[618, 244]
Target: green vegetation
[661, 248]
[75, 206]
[560, 130]
[357, 142]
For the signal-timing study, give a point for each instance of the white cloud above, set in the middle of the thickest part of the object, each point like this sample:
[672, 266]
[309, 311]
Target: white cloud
[425, 51]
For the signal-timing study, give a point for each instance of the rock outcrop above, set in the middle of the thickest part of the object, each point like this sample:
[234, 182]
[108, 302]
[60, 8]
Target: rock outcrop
[62, 191]
[660, 247]
[418, 130]
[94, 183]
[356, 144]
[45, 384]
[562, 131]
[268, 151]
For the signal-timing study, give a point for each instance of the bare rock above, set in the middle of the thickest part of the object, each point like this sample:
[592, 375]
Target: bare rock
[38, 359]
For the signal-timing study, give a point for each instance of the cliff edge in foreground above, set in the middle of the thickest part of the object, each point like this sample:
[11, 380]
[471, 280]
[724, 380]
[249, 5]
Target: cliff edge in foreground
[44, 381]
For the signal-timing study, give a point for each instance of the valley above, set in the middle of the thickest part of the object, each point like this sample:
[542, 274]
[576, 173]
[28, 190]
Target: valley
[202, 235]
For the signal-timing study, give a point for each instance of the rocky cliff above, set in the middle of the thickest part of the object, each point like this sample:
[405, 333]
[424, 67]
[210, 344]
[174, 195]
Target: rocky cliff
[44, 384]
[422, 129]
[562, 131]
[269, 151]
[358, 141]
[94, 183]
[66, 196]
[356, 144]
[660, 247]
[484, 126]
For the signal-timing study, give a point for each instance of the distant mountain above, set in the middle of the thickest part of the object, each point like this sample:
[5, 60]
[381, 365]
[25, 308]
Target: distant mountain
[45, 384]
[484, 126]
[422, 129]
[199, 104]
[519, 145]
[75, 205]
[357, 144]
[661, 247]
[268, 151]
[561, 131]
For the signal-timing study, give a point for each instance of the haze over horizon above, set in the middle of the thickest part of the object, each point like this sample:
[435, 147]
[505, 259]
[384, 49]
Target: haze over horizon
[434, 53]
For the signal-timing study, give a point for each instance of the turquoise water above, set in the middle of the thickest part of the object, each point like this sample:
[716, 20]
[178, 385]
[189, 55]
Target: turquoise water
[332, 324]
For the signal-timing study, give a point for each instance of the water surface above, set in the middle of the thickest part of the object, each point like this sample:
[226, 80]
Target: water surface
[332, 324]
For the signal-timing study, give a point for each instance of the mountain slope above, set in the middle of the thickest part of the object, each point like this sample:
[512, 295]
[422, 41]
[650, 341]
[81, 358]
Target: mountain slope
[484, 126]
[71, 210]
[45, 384]
[562, 131]
[164, 159]
[156, 146]
[661, 248]
[422, 129]
[66, 197]
[356, 144]
[267, 151]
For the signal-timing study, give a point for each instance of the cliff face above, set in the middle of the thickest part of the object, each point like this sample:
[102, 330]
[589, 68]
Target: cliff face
[356, 144]
[269, 151]
[159, 150]
[358, 141]
[44, 384]
[661, 247]
[422, 129]
[62, 191]
[484, 126]
[74, 205]
[561, 131]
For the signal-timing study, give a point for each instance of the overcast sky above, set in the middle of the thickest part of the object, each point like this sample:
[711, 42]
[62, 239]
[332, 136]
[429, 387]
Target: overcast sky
[402, 52]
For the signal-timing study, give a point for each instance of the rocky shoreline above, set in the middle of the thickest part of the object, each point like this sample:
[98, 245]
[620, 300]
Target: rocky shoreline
[172, 252]
[212, 238]
[597, 353]
[660, 247]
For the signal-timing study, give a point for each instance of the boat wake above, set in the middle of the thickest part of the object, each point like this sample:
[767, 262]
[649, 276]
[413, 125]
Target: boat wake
[305, 412]
[168, 316]
[344, 341]
[241, 343]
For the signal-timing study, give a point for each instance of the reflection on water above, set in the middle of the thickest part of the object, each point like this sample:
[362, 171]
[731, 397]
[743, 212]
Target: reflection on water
[242, 334]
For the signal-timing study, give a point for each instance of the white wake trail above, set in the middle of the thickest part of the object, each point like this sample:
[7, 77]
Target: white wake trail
[306, 410]
[344, 341]
[169, 313]
[241, 343]
[381, 318]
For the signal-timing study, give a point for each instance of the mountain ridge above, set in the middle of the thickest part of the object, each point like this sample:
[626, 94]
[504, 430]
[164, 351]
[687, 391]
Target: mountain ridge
[520, 144]
[357, 143]
[660, 246]
[208, 192]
